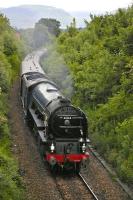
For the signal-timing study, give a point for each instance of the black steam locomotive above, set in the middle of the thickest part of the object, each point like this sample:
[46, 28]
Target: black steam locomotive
[61, 129]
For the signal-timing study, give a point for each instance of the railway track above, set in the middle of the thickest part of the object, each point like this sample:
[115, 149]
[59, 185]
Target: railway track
[125, 188]
[88, 187]
[73, 187]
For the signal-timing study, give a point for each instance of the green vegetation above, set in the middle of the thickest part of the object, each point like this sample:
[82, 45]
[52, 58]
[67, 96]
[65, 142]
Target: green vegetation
[11, 52]
[100, 58]
[52, 24]
[10, 59]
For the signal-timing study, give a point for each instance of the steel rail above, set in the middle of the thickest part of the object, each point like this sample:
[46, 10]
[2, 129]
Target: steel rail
[88, 187]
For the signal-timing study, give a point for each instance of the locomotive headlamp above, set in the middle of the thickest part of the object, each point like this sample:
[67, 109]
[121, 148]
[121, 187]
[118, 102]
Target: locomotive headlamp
[52, 147]
[83, 147]
[81, 140]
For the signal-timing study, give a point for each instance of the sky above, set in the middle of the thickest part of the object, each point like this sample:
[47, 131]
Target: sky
[73, 5]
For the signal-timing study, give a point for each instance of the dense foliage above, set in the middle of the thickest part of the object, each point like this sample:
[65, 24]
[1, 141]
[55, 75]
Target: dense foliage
[100, 58]
[10, 58]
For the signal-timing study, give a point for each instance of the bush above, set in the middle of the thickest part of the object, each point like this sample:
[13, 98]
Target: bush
[10, 58]
[100, 60]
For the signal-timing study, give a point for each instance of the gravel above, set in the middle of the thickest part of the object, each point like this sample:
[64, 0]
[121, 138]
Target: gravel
[101, 182]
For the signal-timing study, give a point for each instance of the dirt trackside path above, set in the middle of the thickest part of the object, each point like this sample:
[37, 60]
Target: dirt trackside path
[37, 180]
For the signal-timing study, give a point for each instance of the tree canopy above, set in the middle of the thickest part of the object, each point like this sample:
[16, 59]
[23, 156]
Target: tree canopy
[100, 58]
[52, 24]
[10, 59]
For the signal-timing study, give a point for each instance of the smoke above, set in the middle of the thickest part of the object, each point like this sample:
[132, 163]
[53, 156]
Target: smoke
[35, 38]
[55, 67]
[41, 36]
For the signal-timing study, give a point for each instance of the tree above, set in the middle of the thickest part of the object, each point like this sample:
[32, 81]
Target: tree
[52, 25]
[100, 60]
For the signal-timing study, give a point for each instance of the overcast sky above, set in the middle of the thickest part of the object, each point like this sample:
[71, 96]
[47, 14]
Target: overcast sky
[73, 5]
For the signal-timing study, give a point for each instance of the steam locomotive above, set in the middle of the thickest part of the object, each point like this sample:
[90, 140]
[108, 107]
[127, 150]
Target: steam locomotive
[60, 128]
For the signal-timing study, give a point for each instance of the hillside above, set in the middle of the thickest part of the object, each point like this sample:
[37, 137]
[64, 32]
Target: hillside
[10, 59]
[100, 58]
[26, 16]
